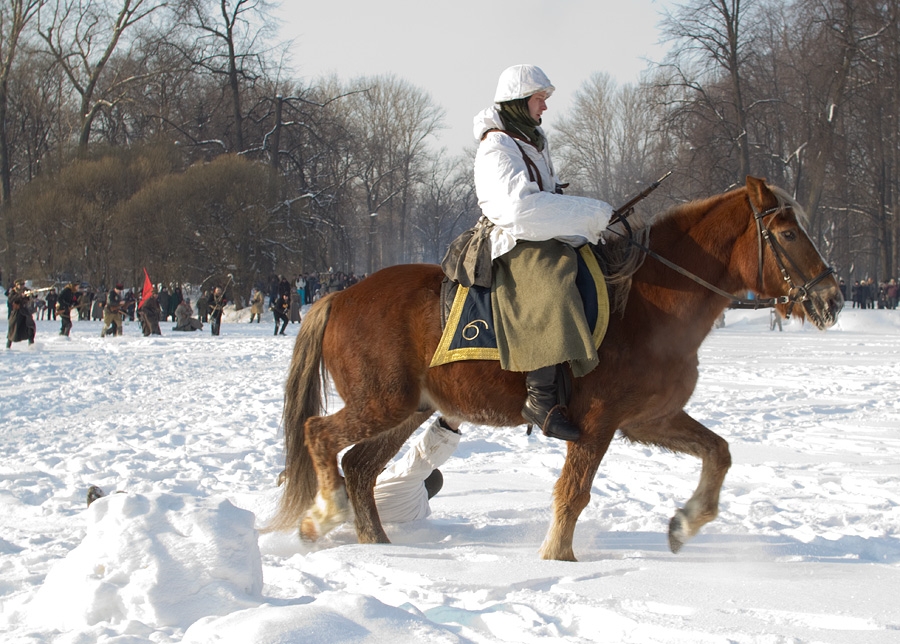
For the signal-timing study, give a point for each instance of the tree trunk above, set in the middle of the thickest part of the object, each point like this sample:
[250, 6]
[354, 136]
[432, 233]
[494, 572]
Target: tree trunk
[822, 143]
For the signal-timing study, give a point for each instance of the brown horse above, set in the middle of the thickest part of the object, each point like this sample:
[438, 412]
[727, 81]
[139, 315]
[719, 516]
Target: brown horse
[376, 340]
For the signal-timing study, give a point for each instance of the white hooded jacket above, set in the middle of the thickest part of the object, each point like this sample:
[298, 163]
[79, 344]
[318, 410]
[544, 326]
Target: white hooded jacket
[400, 493]
[516, 205]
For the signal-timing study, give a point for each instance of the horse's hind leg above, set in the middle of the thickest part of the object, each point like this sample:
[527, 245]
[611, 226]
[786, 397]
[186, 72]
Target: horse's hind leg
[326, 436]
[684, 434]
[331, 506]
[362, 464]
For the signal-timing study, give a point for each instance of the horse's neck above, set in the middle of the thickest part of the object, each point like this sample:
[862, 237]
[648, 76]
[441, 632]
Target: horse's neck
[701, 238]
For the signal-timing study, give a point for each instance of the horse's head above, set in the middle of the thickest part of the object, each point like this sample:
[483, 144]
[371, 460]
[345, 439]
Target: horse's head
[790, 265]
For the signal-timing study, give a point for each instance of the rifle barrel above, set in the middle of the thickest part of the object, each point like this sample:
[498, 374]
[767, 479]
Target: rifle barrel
[619, 212]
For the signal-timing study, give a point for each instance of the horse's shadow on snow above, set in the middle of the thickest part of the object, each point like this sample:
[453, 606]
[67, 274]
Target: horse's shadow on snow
[745, 547]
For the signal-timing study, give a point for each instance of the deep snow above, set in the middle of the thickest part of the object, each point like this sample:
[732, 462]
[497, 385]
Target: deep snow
[806, 547]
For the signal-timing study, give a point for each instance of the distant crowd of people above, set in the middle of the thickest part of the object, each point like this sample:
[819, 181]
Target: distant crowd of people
[284, 297]
[867, 294]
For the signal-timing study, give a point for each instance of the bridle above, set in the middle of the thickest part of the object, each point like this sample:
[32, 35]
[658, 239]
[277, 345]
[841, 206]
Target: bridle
[796, 294]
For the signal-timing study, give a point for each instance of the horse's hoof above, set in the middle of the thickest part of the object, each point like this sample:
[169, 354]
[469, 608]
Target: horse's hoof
[678, 531]
[549, 553]
[309, 529]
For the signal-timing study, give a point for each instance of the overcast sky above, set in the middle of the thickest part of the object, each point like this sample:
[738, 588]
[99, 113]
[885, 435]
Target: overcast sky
[456, 50]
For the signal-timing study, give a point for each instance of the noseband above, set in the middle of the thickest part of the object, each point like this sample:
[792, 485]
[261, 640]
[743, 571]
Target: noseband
[796, 294]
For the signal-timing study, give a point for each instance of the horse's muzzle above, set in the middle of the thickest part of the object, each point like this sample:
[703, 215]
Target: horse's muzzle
[822, 306]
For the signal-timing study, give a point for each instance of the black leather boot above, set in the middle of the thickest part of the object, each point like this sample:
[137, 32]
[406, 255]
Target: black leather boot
[542, 405]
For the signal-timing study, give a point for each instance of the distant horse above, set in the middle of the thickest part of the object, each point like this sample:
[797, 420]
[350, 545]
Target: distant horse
[376, 340]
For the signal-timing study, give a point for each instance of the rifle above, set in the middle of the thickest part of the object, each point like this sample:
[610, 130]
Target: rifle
[217, 303]
[620, 213]
[37, 290]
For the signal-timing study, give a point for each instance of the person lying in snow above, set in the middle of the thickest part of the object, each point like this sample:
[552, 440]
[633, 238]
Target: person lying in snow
[403, 489]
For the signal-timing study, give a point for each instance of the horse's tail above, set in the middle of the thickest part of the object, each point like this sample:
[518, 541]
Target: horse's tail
[302, 400]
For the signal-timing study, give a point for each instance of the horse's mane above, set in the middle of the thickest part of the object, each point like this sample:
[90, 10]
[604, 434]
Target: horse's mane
[621, 259]
[786, 200]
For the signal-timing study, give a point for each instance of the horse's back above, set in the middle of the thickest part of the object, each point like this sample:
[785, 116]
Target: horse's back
[387, 321]
[392, 293]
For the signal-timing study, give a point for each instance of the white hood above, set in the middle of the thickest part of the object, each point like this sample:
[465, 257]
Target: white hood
[486, 119]
[520, 81]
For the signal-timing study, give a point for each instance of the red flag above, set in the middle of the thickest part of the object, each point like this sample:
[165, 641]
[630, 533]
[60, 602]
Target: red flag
[146, 290]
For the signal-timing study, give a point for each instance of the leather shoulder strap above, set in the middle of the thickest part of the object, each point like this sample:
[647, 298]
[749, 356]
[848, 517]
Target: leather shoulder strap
[533, 172]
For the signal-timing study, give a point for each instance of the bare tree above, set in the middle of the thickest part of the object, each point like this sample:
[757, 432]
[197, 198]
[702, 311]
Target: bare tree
[838, 40]
[610, 144]
[233, 34]
[446, 205]
[391, 123]
[584, 140]
[81, 36]
[14, 16]
[713, 41]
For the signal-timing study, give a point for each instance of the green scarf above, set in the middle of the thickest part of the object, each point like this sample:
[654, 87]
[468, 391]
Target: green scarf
[516, 118]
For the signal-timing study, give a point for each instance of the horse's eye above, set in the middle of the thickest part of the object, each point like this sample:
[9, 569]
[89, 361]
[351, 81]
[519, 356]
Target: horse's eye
[789, 235]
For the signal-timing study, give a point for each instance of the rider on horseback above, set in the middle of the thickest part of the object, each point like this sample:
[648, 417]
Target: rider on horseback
[534, 228]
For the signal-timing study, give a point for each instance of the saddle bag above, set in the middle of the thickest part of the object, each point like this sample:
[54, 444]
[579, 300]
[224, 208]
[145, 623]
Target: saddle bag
[468, 259]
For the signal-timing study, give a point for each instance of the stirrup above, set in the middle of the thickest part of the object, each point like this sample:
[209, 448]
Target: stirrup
[556, 425]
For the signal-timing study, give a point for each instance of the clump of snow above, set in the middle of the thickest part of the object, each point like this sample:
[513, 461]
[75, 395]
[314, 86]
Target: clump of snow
[332, 617]
[157, 559]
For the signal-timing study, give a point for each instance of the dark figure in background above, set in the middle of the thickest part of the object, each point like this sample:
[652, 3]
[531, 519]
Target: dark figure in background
[174, 300]
[150, 312]
[273, 290]
[870, 293]
[203, 307]
[21, 322]
[38, 307]
[280, 309]
[52, 299]
[312, 288]
[68, 300]
[98, 303]
[284, 286]
[162, 295]
[216, 306]
[295, 306]
[85, 301]
[891, 294]
[112, 312]
[130, 304]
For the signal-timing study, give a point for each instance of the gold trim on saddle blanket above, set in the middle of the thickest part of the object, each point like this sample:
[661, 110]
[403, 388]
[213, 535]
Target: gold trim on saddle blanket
[473, 328]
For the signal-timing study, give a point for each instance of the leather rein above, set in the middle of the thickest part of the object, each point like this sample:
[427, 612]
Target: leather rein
[796, 294]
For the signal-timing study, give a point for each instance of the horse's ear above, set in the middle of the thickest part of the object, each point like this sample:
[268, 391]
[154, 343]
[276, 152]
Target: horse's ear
[759, 193]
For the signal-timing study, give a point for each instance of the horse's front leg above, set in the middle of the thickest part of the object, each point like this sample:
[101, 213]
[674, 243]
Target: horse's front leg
[362, 464]
[681, 433]
[572, 493]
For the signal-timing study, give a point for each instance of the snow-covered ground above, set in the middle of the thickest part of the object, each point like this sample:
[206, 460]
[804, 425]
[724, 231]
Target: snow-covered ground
[806, 547]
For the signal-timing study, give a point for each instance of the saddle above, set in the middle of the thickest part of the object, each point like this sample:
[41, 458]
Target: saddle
[468, 323]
